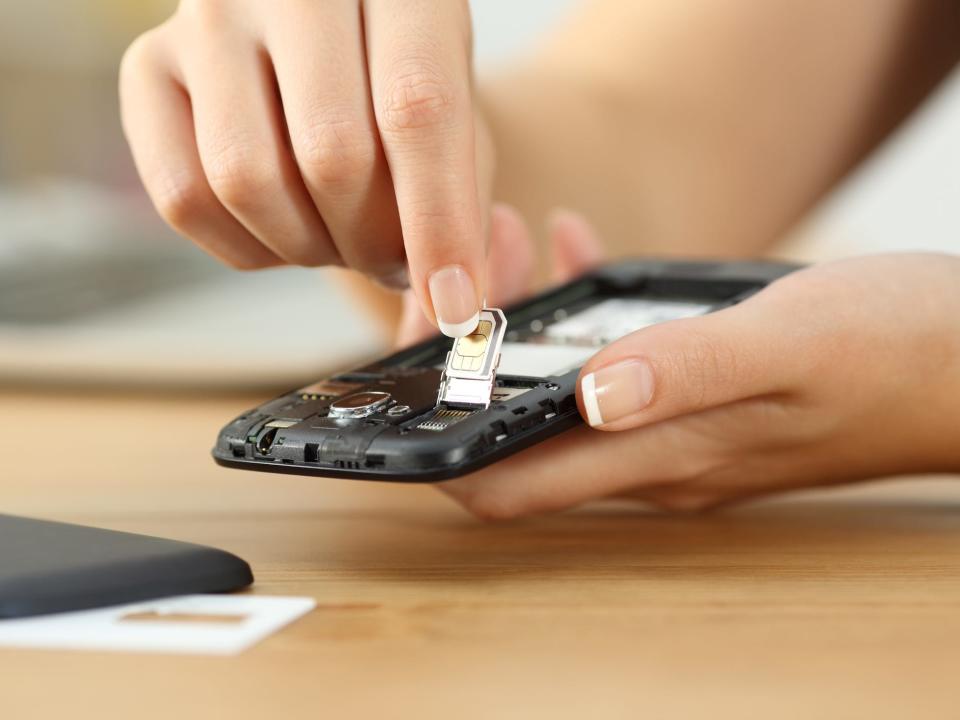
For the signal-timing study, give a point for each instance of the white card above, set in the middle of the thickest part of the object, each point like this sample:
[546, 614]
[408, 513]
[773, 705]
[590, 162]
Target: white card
[192, 624]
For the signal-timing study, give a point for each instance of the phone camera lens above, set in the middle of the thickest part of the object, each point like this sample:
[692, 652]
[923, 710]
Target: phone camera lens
[359, 405]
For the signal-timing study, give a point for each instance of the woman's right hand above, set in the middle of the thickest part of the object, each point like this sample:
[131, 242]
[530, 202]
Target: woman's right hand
[341, 132]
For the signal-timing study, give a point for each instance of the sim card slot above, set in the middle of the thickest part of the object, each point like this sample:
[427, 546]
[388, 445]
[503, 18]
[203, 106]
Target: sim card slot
[503, 393]
[471, 366]
[468, 393]
[443, 418]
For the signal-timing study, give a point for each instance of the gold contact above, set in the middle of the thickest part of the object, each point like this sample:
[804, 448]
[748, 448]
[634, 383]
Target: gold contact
[468, 351]
[327, 389]
[471, 366]
[442, 419]
[451, 414]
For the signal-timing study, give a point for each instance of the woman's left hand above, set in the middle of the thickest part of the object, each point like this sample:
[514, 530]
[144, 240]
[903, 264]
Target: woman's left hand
[839, 372]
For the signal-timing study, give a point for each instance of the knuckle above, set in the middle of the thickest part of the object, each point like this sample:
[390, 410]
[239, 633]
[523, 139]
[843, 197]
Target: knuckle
[423, 98]
[240, 179]
[181, 201]
[139, 56]
[707, 363]
[331, 153]
[207, 13]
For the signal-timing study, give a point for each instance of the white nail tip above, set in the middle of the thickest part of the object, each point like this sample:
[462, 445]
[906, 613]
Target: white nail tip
[459, 330]
[588, 386]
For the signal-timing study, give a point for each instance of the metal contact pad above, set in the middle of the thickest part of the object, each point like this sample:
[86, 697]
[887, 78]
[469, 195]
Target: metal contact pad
[476, 355]
[471, 366]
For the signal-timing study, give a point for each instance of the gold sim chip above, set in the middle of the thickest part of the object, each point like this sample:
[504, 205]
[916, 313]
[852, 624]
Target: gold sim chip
[470, 371]
[468, 351]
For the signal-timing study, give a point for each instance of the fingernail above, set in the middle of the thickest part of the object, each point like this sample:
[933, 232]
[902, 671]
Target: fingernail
[454, 300]
[617, 391]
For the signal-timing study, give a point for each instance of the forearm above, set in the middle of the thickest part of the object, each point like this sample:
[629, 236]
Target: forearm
[709, 128]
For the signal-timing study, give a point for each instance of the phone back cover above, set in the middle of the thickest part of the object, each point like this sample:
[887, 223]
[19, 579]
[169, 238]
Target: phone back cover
[49, 567]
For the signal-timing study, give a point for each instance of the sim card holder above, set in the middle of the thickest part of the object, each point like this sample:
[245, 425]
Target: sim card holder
[471, 367]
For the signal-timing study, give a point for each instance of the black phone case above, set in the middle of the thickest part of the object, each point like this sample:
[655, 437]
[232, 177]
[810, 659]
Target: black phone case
[394, 447]
[50, 567]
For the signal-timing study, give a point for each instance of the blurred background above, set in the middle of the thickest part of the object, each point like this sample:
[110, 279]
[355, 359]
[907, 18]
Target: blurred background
[94, 289]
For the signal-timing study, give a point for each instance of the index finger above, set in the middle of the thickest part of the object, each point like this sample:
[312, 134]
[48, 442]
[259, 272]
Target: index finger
[418, 52]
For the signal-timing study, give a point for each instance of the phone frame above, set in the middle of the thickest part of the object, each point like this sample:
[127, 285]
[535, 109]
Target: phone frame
[394, 449]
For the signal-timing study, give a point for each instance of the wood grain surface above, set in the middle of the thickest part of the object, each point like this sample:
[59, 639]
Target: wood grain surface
[842, 603]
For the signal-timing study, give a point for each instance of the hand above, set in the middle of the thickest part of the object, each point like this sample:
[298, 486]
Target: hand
[574, 249]
[319, 133]
[836, 373]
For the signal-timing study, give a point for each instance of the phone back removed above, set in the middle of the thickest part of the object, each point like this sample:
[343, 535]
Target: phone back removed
[50, 567]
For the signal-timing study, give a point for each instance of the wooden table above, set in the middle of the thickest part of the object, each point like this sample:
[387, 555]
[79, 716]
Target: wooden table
[830, 604]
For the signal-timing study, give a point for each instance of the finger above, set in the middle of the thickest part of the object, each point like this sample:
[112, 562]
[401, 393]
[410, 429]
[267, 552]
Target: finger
[158, 124]
[582, 465]
[317, 51]
[510, 263]
[418, 58]
[413, 326]
[510, 257]
[243, 144]
[684, 498]
[686, 366]
[575, 245]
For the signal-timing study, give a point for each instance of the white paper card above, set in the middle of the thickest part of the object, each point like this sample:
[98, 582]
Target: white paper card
[190, 624]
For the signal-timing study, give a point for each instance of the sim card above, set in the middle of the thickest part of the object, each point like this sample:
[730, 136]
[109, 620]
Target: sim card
[471, 368]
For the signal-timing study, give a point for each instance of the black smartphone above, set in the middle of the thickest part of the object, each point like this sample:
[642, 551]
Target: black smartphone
[51, 567]
[389, 420]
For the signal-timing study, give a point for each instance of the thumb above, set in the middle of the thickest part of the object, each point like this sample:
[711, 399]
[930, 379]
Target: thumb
[685, 366]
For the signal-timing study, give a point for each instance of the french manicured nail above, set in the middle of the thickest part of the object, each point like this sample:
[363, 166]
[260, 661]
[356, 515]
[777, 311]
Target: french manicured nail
[617, 391]
[454, 300]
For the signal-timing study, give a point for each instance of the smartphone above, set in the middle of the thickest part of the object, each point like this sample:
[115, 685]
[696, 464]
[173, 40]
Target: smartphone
[51, 567]
[385, 421]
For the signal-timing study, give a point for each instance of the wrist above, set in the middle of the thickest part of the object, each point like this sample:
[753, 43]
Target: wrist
[935, 363]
